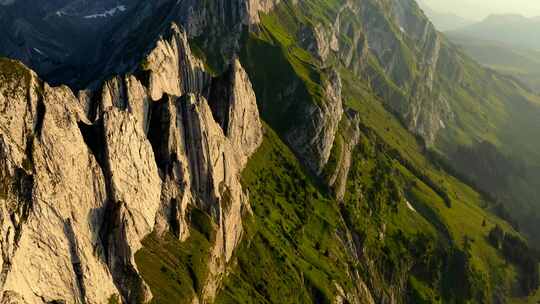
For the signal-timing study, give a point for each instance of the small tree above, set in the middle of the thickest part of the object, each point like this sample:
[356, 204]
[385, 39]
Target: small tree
[496, 237]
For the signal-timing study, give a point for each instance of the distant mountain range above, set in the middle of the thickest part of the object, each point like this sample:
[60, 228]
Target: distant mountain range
[521, 63]
[60, 37]
[506, 43]
[514, 30]
[444, 21]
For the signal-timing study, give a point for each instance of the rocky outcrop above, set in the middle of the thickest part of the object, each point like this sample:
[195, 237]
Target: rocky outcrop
[51, 248]
[350, 137]
[234, 106]
[393, 38]
[405, 46]
[313, 139]
[319, 40]
[220, 135]
[85, 180]
[215, 170]
[427, 116]
[256, 7]
[173, 69]
[135, 190]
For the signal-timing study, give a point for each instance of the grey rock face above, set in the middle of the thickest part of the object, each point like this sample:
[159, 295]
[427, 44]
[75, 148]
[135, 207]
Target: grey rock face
[350, 129]
[381, 30]
[314, 139]
[420, 103]
[85, 180]
[320, 41]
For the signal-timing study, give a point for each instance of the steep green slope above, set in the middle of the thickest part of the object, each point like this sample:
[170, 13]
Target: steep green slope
[303, 247]
[404, 215]
[410, 226]
[463, 111]
[491, 140]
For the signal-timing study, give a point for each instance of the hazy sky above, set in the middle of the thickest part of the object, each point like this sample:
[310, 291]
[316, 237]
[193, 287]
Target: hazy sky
[479, 9]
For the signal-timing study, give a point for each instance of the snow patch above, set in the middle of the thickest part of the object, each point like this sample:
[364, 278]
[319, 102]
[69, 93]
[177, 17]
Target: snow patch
[107, 13]
[39, 51]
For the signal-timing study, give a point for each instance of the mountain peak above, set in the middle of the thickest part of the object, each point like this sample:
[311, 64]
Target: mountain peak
[506, 18]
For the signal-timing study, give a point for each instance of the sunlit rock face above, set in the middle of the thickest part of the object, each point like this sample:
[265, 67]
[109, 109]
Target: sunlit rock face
[86, 178]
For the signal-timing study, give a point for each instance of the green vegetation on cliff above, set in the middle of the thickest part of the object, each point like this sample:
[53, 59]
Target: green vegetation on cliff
[414, 224]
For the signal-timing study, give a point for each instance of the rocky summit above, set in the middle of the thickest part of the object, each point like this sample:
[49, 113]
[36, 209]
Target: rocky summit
[259, 151]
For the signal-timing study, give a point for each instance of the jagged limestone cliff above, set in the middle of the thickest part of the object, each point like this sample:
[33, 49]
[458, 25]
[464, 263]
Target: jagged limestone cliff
[85, 181]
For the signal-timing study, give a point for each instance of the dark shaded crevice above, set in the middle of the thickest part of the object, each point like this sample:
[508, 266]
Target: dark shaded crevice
[40, 117]
[143, 76]
[111, 212]
[317, 295]
[193, 276]
[113, 236]
[219, 99]
[23, 185]
[174, 225]
[124, 96]
[75, 259]
[17, 190]
[94, 138]
[95, 103]
[158, 133]
[202, 185]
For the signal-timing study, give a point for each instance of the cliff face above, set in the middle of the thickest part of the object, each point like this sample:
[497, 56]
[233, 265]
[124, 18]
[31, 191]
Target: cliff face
[405, 47]
[86, 180]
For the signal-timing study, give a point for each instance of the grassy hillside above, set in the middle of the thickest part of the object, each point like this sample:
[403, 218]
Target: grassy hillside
[415, 230]
[392, 230]
[490, 141]
[411, 226]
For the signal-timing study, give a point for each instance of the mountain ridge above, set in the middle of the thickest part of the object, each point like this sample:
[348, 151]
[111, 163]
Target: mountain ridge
[516, 30]
[444, 21]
